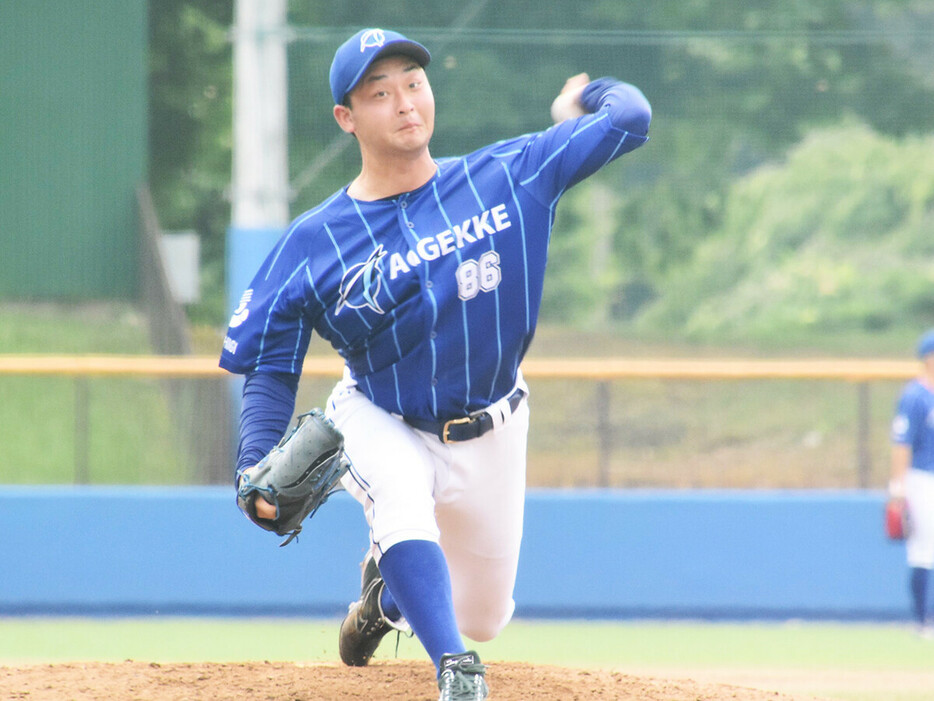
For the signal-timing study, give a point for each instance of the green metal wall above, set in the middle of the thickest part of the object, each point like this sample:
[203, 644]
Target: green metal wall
[73, 146]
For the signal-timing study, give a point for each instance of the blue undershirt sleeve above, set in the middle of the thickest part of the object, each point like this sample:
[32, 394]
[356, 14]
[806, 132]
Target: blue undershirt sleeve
[265, 413]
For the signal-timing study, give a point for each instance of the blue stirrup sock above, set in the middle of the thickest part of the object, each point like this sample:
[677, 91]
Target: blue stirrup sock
[919, 585]
[418, 585]
[389, 606]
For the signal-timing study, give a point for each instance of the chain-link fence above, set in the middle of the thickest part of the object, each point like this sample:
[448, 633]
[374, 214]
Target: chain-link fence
[628, 432]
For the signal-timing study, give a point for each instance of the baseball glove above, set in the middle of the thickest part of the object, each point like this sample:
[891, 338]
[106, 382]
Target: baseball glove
[296, 477]
[896, 518]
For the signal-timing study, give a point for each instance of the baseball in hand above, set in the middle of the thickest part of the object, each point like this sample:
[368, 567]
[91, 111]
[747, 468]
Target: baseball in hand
[567, 104]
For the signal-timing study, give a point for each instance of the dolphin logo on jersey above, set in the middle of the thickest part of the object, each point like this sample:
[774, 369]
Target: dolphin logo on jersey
[372, 39]
[362, 282]
[241, 312]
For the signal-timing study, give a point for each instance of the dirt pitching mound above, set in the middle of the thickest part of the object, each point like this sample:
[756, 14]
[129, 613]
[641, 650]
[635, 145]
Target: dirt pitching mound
[382, 681]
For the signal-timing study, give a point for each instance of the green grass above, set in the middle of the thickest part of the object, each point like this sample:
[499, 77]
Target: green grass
[72, 328]
[575, 644]
[130, 436]
[824, 655]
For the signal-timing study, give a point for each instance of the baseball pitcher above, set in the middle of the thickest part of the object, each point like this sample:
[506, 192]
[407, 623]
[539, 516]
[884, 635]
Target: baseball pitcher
[425, 274]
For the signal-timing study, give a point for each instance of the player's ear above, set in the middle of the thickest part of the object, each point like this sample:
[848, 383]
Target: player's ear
[344, 118]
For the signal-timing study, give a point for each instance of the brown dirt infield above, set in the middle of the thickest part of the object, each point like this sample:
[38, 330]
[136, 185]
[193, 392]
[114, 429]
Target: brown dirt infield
[384, 680]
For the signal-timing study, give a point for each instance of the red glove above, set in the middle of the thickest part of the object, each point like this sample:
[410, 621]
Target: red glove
[896, 518]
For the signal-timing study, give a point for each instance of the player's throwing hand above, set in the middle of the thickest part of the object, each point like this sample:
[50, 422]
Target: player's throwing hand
[567, 105]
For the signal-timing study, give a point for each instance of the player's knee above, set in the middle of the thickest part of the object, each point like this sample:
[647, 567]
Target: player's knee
[483, 631]
[484, 624]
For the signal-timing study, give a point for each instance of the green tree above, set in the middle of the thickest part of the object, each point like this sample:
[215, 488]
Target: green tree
[190, 127]
[835, 238]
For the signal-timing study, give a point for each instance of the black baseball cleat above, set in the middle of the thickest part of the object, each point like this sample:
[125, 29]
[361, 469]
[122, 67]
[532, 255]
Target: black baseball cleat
[462, 678]
[366, 624]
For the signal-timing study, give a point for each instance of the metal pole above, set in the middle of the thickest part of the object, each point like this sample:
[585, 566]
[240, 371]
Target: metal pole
[260, 189]
[864, 422]
[604, 433]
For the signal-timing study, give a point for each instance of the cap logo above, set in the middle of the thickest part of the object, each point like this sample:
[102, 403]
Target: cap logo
[372, 38]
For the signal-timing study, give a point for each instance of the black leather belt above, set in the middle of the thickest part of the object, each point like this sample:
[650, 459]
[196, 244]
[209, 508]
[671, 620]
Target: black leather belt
[468, 427]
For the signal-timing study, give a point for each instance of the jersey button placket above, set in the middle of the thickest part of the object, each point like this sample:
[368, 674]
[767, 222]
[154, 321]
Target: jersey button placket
[413, 240]
[403, 204]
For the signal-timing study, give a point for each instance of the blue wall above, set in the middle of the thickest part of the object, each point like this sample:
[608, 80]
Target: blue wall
[731, 554]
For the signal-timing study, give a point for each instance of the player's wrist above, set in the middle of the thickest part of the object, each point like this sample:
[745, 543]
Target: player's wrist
[567, 105]
[897, 488]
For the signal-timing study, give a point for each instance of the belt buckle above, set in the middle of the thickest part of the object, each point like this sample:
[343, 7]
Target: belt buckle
[446, 430]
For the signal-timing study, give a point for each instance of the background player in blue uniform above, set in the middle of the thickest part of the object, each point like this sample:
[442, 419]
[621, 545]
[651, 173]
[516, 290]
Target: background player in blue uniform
[426, 276]
[913, 476]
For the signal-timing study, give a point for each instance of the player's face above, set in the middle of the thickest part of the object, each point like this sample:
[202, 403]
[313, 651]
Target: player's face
[392, 109]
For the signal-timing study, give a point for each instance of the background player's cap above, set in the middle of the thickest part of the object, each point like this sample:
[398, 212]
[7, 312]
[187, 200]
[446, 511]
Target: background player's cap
[357, 53]
[926, 344]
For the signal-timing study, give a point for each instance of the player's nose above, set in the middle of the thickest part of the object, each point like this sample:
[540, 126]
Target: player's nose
[405, 104]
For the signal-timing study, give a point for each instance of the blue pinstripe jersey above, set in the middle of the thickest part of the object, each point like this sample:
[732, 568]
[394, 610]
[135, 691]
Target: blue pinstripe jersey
[431, 296]
[913, 424]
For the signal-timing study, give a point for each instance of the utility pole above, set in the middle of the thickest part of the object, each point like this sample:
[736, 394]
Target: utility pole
[260, 185]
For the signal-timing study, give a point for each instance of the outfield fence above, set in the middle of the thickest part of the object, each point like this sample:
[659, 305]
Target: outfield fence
[626, 422]
[722, 554]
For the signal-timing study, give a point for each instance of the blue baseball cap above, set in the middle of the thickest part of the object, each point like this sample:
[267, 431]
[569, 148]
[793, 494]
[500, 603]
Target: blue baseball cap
[926, 344]
[357, 54]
